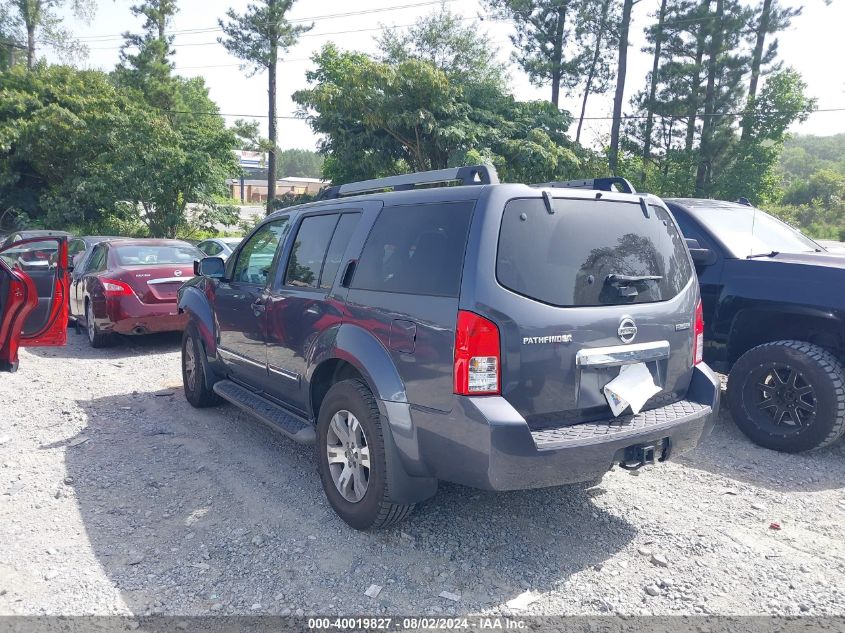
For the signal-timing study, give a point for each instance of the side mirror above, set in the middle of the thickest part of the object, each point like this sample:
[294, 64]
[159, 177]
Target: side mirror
[700, 256]
[212, 267]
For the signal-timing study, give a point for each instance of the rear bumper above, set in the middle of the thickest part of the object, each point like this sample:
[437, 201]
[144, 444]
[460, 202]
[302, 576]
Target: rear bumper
[487, 444]
[127, 315]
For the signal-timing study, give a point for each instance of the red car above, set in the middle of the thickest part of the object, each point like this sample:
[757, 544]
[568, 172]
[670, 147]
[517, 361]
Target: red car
[33, 309]
[129, 287]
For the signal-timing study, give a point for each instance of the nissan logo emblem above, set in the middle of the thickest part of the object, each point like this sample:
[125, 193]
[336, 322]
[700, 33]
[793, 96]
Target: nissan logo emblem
[178, 273]
[627, 329]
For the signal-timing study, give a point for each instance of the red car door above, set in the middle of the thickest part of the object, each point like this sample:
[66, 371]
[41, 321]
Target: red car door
[33, 296]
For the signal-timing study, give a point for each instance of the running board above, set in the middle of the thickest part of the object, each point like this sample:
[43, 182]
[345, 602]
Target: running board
[271, 414]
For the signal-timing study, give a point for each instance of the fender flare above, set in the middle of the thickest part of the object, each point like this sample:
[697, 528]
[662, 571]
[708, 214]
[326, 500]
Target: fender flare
[365, 353]
[193, 302]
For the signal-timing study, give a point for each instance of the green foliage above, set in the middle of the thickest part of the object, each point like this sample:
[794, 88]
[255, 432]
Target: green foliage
[303, 163]
[78, 151]
[261, 33]
[550, 39]
[379, 118]
[148, 69]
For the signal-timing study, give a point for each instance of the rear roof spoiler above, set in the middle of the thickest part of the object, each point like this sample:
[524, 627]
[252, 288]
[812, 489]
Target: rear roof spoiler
[622, 185]
[463, 176]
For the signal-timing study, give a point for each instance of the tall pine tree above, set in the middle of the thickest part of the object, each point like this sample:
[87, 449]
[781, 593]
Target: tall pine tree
[259, 37]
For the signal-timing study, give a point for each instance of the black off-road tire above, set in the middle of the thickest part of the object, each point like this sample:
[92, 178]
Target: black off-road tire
[197, 392]
[96, 338]
[818, 368]
[374, 510]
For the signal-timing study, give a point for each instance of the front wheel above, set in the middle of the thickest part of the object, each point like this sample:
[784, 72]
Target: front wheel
[351, 458]
[197, 391]
[788, 396]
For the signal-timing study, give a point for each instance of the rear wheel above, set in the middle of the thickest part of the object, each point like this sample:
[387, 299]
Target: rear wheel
[788, 396]
[96, 338]
[197, 391]
[351, 458]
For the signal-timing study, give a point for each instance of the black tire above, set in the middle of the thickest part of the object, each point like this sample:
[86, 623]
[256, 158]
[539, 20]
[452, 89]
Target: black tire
[193, 371]
[788, 396]
[96, 338]
[373, 510]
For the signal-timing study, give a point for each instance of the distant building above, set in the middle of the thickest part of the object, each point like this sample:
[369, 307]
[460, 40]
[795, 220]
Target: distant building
[254, 190]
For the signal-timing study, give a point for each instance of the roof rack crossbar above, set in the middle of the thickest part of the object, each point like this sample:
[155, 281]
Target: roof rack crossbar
[468, 175]
[597, 184]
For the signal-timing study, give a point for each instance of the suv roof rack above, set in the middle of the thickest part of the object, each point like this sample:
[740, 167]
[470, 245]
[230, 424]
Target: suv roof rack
[598, 184]
[468, 175]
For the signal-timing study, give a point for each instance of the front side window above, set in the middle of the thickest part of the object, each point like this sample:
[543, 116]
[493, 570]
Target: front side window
[416, 249]
[309, 251]
[591, 253]
[255, 259]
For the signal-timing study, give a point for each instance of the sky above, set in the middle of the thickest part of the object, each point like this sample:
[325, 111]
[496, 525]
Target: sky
[813, 45]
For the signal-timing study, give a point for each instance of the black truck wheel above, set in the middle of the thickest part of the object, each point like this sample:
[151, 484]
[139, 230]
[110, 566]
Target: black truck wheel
[788, 396]
[351, 458]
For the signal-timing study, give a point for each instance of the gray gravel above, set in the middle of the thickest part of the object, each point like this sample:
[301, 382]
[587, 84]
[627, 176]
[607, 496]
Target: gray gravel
[117, 497]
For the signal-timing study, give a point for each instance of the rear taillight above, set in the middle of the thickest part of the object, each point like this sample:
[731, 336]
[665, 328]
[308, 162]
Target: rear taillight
[698, 334]
[477, 356]
[113, 288]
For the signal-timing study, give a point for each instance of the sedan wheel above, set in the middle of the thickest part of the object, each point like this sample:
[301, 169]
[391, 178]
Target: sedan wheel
[95, 337]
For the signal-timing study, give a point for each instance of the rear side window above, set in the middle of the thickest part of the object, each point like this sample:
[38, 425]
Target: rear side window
[416, 249]
[309, 251]
[590, 253]
[337, 247]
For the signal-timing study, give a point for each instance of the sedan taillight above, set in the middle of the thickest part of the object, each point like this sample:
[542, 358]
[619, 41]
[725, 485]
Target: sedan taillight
[114, 288]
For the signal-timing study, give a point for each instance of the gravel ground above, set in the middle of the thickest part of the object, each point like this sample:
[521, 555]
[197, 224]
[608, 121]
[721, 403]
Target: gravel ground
[116, 497]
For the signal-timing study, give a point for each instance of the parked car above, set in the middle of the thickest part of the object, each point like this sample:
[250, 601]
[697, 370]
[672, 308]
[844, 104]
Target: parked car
[775, 322]
[129, 287]
[33, 310]
[475, 334]
[219, 246]
[33, 255]
[80, 247]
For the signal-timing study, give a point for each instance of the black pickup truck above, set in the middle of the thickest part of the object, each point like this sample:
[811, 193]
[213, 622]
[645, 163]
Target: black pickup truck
[774, 313]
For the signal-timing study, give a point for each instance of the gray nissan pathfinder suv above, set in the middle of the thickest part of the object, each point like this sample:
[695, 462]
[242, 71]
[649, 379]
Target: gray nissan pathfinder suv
[443, 326]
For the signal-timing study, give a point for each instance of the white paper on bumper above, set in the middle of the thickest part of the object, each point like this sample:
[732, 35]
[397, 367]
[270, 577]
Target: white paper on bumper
[632, 387]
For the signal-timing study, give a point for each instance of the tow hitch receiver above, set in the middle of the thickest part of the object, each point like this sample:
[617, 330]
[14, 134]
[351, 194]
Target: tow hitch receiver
[640, 455]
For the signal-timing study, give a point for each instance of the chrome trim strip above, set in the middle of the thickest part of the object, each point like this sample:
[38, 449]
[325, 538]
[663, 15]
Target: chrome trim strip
[622, 354]
[290, 375]
[168, 280]
[239, 357]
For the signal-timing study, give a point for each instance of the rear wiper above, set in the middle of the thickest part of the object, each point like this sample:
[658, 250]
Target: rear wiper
[621, 280]
[770, 254]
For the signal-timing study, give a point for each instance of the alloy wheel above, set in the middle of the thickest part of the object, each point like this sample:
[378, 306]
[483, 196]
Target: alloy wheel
[780, 399]
[89, 323]
[190, 365]
[348, 455]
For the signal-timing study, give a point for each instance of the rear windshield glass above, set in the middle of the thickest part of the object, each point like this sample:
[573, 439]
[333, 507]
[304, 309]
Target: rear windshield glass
[144, 255]
[416, 250]
[590, 253]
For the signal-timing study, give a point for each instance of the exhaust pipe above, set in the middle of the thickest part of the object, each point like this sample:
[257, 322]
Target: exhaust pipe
[139, 330]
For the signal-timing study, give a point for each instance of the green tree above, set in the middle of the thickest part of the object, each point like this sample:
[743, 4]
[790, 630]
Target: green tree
[300, 162]
[11, 48]
[378, 119]
[43, 25]
[549, 40]
[145, 58]
[78, 151]
[174, 167]
[259, 37]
